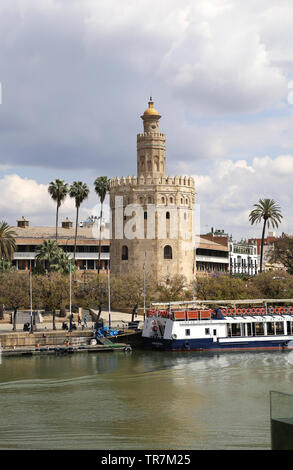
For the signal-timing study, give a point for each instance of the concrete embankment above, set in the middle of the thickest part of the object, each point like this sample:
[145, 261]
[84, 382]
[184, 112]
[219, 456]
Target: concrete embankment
[20, 343]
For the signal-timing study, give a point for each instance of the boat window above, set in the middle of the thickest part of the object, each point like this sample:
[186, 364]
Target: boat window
[279, 328]
[236, 330]
[270, 328]
[249, 329]
[215, 332]
[207, 331]
[187, 332]
[259, 329]
[289, 328]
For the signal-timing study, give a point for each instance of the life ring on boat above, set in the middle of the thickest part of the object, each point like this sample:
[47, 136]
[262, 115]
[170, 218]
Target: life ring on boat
[252, 311]
[286, 310]
[155, 328]
[271, 310]
[281, 310]
[238, 311]
[277, 310]
[262, 310]
[291, 309]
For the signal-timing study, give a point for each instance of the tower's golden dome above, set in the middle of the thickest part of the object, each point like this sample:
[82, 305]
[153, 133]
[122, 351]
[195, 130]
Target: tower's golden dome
[151, 110]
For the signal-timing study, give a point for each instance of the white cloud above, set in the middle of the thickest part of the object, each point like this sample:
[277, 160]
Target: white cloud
[26, 197]
[229, 190]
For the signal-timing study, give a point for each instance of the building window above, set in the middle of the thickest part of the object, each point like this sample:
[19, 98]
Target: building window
[167, 252]
[124, 252]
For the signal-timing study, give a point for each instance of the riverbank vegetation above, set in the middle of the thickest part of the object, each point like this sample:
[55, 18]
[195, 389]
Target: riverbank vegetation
[51, 290]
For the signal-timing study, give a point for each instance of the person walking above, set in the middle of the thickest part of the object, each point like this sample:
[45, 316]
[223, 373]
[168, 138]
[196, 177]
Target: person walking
[84, 321]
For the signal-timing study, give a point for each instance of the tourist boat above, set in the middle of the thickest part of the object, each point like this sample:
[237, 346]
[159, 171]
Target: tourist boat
[177, 327]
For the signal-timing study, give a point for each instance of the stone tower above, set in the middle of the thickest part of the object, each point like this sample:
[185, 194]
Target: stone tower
[152, 215]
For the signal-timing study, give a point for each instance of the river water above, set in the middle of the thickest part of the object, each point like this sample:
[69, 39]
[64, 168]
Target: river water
[141, 400]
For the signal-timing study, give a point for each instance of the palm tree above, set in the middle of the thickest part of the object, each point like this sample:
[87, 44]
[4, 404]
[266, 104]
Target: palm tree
[79, 191]
[7, 241]
[48, 252]
[268, 212]
[58, 190]
[102, 187]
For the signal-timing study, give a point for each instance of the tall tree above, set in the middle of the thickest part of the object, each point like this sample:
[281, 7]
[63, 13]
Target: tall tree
[269, 213]
[79, 191]
[14, 292]
[7, 241]
[58, 191]
[102, 187]
[282, 252]
[54, 257]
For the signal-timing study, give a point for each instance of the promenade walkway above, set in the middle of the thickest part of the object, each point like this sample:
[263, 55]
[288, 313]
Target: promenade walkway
[118, 320]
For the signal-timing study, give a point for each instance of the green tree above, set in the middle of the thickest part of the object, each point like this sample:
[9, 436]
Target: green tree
[282, 252]
[174, 289]
[51, 292]
[79, 191]
[48, 252]
[267, 212]
[274, 285]
[7, 241]
[15, 292]
[102, 187]
[58, 191]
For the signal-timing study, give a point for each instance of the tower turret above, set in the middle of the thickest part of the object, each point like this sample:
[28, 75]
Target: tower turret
[151, 145]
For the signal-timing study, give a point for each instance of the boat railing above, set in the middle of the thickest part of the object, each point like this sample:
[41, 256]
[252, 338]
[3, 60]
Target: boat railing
[218, 313]
[182, 315]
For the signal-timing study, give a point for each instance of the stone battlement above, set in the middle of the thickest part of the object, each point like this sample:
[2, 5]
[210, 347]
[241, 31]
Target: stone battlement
[151, 134]
[152, 180]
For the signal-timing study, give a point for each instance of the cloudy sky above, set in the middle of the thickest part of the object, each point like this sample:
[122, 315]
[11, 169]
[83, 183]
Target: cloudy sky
[76, 75]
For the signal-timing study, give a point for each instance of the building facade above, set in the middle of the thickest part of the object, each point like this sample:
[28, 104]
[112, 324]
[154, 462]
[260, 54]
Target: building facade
[152, 214]
[243, 255]
[87, 249]
[211, 258]
[243, 258]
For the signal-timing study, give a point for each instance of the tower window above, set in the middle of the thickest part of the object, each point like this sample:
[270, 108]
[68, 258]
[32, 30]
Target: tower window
[124, 253]
[167, 215]
[145, 215]
[167, 252]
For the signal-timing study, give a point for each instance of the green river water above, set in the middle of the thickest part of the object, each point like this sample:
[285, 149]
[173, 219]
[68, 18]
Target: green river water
[141, 400]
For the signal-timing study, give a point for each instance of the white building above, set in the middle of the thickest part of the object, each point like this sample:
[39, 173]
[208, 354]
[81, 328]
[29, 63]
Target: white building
[243, 257]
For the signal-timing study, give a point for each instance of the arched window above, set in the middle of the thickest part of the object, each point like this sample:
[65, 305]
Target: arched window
[167, 215]
[167, 252]
[124, 252]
